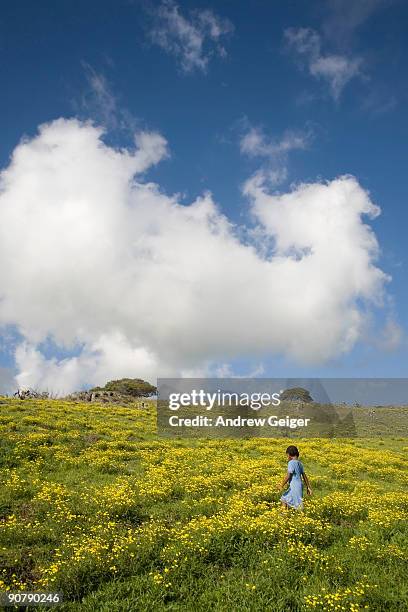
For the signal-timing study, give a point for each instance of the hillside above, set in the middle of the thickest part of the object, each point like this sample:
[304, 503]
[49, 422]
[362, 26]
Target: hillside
[95, 505]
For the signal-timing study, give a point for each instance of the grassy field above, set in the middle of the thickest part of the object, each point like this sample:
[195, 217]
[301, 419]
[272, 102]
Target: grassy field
[95, 505]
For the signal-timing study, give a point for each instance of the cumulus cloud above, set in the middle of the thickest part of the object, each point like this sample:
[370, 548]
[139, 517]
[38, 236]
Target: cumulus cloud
[109, 357]
[335, 69]
[194, 40]
[133, 282]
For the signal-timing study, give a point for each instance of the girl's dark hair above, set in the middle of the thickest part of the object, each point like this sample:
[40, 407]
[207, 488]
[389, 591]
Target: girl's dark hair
[292, 451]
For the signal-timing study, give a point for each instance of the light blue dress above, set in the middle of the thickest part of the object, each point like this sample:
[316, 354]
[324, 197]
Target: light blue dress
[293, 497]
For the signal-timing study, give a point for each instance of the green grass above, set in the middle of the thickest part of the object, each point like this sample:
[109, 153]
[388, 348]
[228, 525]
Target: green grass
[94, 504]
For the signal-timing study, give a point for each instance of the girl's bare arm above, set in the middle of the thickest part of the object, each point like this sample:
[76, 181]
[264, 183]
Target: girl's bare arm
[284, 481]
[307, 483]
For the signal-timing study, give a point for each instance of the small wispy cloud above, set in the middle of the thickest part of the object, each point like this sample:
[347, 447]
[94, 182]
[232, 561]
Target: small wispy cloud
[225, 370]
[256, 144]
[99, 102]
[99, 98]
[343, 17]
[391, 336]
[379, 101]
[193, 40]
[335, 69]
[273, 152]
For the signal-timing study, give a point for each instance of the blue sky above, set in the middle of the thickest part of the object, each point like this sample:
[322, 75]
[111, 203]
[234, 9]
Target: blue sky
[321, 88]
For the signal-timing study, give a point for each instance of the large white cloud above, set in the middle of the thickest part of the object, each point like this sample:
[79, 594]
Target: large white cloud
[94, 256]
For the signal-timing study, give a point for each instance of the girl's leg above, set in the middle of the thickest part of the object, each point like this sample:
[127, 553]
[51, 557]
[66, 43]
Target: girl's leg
[284, 506]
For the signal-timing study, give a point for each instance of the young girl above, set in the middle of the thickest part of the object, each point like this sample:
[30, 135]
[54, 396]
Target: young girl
[293, 497]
